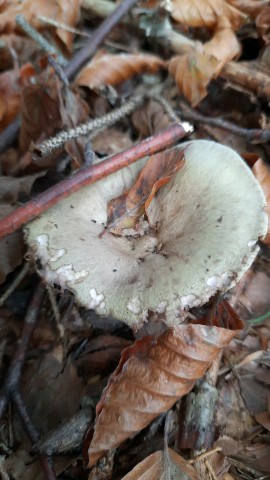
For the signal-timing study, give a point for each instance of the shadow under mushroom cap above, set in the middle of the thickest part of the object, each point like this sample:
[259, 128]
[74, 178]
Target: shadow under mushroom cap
[207, 221]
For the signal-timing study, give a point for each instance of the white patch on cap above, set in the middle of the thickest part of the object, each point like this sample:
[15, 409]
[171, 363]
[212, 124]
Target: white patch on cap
[96, 299]
[190, 301]
[134, 305]
[217, 282]
[161, 308]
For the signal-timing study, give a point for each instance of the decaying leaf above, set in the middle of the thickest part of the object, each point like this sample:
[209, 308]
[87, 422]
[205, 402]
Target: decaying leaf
[250, 7]
[205, 13]
[40, 114]
[59, 10]
[160, 465]
[9, 97]
[263, 24]
[108, 69]
[150, 119]
[262, 174]
[194, 70]
[153, 375]
[224, 45]
[124, 211]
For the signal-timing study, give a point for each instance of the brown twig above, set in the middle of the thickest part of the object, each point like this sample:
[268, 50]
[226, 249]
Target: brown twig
[252, 135]
[87, 176]
[77, 62]
[94, 42]
[11, 388]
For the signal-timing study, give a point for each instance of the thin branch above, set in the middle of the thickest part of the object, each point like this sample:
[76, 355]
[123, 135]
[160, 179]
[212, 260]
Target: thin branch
[11, 388]
[78, 61]
[98, 124]
[87, 176]
[97, 38]
[39, 39]
[15, 283]
[252, 135]
[9, 135]
[15, 368]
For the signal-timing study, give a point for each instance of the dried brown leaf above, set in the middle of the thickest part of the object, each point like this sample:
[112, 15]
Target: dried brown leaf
[250, 7]
[59, 10]
[40, 114]
[124, 211]
[263, 24]
[192, 73]
[156, 465]
[152, 376]
[150, 119]
[205, 13]
[194, 70]
[262, 174]
[9, 97]
[108, 69]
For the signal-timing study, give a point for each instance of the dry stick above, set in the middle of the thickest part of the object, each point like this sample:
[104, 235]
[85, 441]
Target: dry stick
[11, 387]
[252, 135]
[25, 269]
[98, 124]
[87, 176]
[91, 46]
[80, 59]
[39, 39]
[13, 376]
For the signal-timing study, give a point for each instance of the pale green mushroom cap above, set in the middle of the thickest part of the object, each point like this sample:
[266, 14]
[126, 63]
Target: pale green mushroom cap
[207, 221]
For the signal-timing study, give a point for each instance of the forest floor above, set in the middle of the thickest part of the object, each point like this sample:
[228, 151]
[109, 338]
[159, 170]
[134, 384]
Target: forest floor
[130, 74]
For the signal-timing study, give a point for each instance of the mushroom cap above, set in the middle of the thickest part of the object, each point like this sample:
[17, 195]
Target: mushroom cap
[206, 223]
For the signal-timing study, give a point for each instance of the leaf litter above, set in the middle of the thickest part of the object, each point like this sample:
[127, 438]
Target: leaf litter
[63, 377]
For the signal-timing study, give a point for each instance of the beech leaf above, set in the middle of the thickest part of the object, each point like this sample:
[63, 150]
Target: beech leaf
[124, 211]
[153, 375]
[59, 10]
[155, 466]
[262, 174]
[9, 97]
[205, 13]
[194, 70]
[108, 69]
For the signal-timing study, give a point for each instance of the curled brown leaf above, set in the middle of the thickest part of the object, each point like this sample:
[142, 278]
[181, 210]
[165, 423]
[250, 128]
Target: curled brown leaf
[9, 97]
[205, 13]
[108, 69]
[124, 211]
[59, 10]
[153, 375]
[194, 70]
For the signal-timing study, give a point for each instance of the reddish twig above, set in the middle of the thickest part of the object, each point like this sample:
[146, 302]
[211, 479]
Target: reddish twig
[252, 135]
[87, 176]
[11, 388]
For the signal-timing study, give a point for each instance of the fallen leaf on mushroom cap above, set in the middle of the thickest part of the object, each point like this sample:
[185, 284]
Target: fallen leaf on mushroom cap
[109, 69]
[152, 376]
[158, 464]
[200, 241]
[124, 211]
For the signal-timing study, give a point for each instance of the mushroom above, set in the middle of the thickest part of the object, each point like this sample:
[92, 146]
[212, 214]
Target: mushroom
[205, 226]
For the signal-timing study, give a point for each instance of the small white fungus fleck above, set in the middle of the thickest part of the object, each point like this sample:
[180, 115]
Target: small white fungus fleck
[96, 299]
